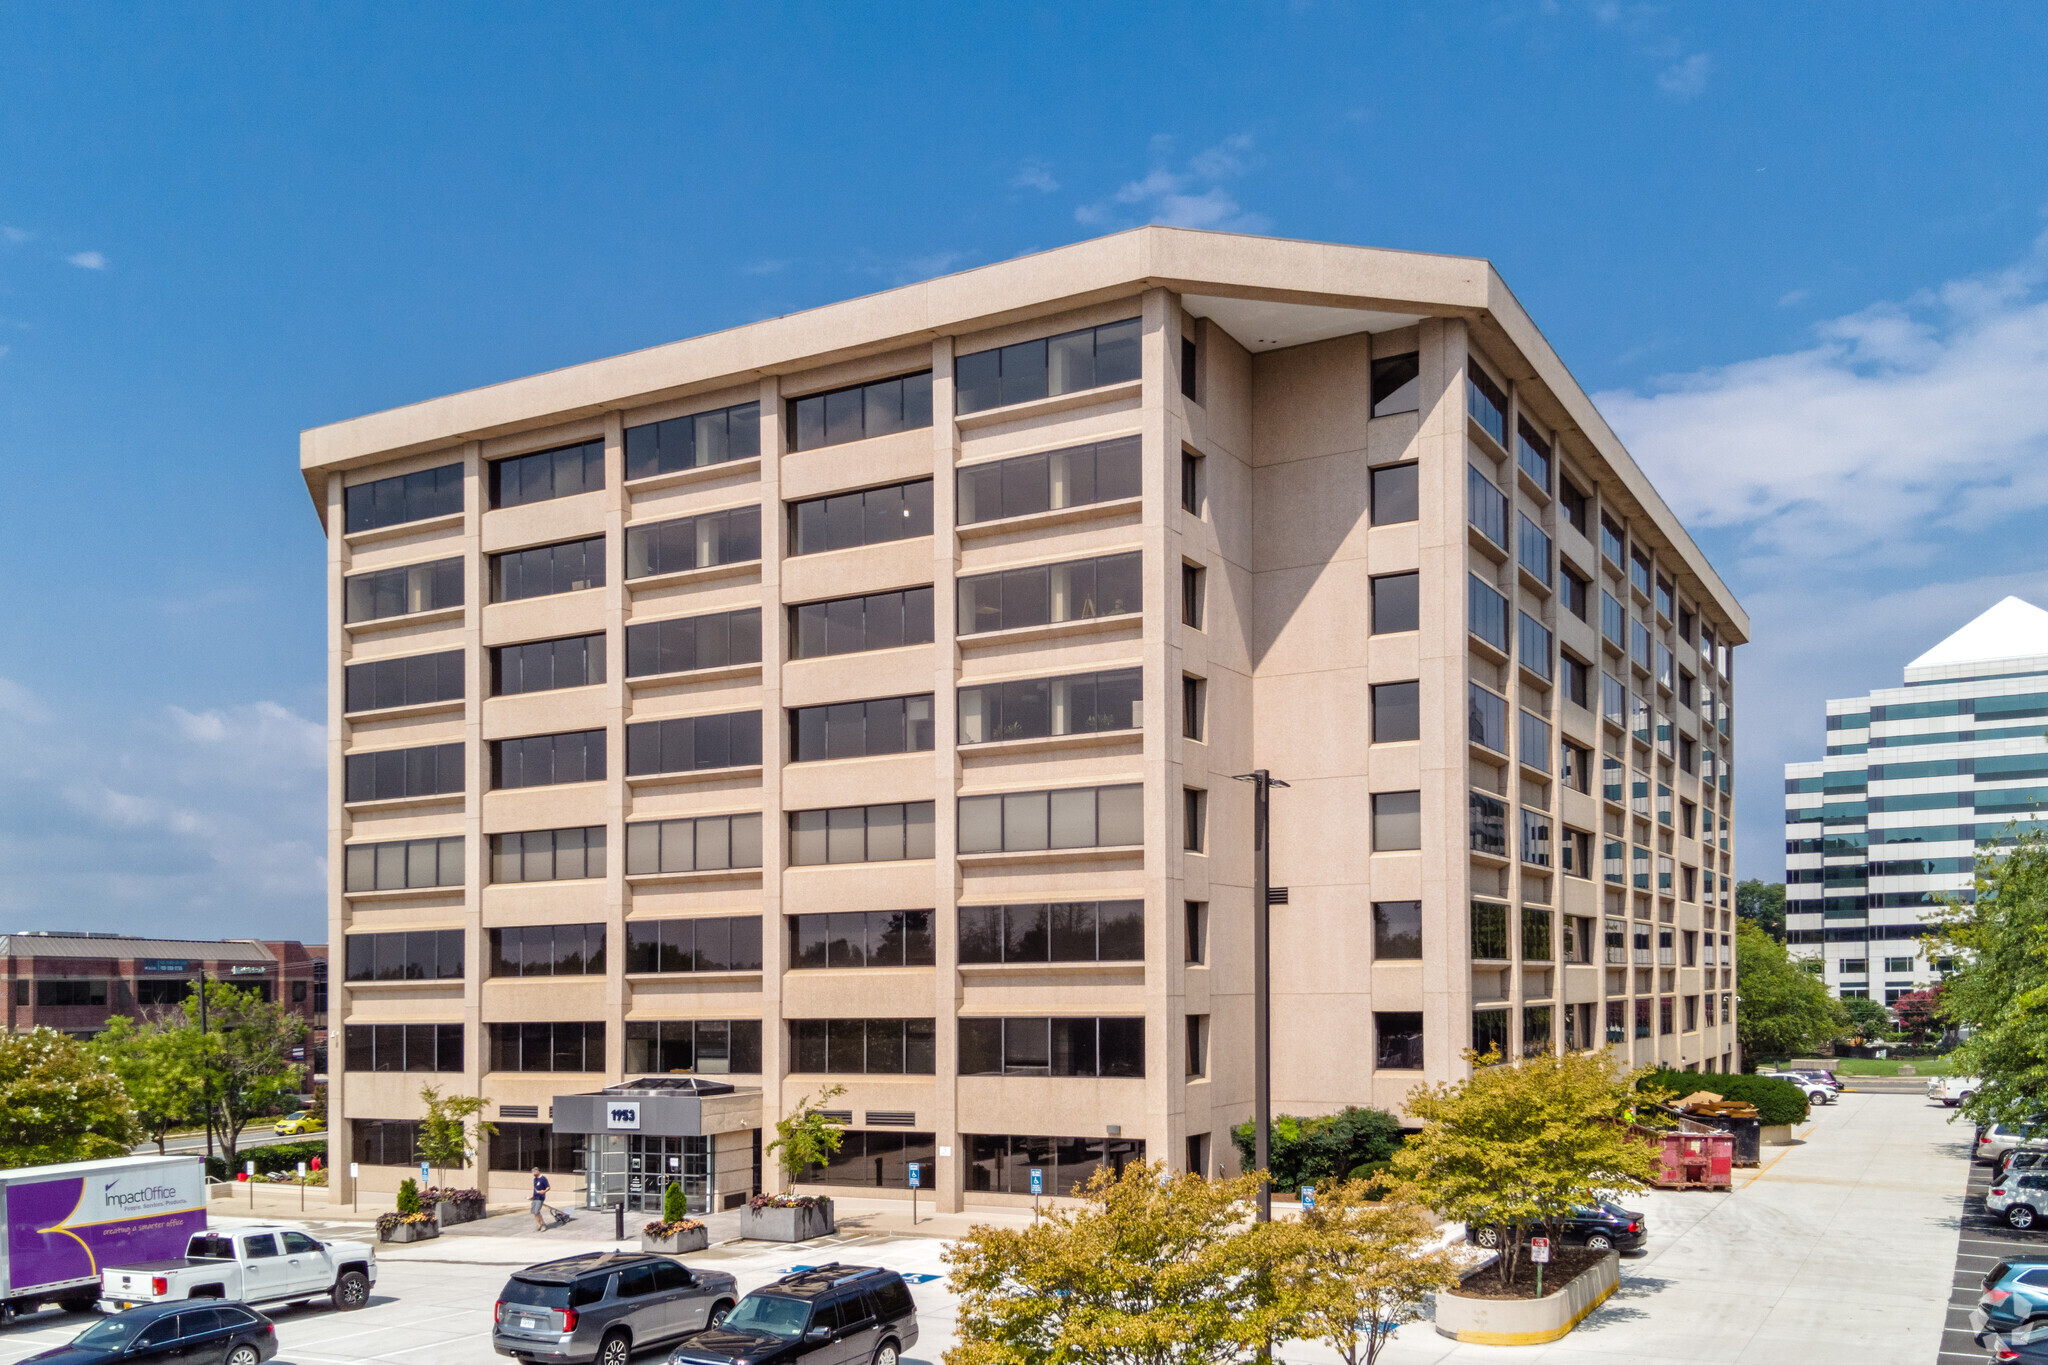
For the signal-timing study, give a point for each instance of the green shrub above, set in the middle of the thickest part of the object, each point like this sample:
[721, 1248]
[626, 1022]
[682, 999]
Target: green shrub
[1324, 1150]
[1776, 1101]
[409, 1196]
[674, 1206]
[278, 1156]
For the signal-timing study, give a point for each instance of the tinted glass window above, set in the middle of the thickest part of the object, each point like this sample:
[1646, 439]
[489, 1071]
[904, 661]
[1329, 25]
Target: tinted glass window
[548, 474]
[847, 625]
[1393, 494]
[676, 646]
[545, 665]
[1068, 363]
[890, 725]
[732, 536]
[1396, 712]
[693, 743]
[1395, 605]
[636, 1280]
[669, 1276]
[1034, 708]
[1397, 384]
[412, 681]
[402, 591]
[162, 1332]
[548, 760]
[403, 498]
[860, 412]
[1081, 589]
[1397, 930]
[1076, 477]
[546, 570]
[872, 516]
[259, 1246]
[892, 1299]
[391, 774]
[702, 438]
[299, 1241]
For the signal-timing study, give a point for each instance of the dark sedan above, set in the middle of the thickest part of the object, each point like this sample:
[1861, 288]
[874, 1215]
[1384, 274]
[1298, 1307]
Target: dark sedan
[1603, 1227]
[192, 1330]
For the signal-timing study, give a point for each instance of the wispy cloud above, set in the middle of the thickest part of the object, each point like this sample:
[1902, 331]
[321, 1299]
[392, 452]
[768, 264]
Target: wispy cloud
[14, 236]
[1686, 78]
[1792, 298]
[767, 267]
[1194, 194]
[1033, 175]
[88, 260]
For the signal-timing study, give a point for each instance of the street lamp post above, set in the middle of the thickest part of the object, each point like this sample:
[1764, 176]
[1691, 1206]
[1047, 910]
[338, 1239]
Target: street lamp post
[1263, 783]
[205, 1072]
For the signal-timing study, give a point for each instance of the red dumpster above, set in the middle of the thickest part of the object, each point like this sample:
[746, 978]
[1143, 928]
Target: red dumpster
[1687, 1161]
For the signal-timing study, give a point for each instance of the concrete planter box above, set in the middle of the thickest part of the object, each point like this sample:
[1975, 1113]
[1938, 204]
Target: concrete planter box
[689, 1239]
[448, 1213]
[787, 1225]
[413, 1232]
[1527, 1322]
[1776, 1135]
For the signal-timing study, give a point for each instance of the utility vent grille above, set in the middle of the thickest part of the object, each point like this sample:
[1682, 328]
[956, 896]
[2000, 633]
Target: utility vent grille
[841, 1115]
[891, 1118]
[518, 1111]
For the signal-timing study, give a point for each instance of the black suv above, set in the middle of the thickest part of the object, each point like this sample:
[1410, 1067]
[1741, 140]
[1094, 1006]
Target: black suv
[824, 1315]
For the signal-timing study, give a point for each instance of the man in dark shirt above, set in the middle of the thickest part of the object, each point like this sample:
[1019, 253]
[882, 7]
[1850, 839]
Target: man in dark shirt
[540, 1200]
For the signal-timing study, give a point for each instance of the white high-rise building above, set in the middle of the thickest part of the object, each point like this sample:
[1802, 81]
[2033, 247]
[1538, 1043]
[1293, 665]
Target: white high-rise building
[1916, 779]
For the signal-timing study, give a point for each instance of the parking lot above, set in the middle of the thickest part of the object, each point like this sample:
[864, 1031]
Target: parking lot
[1849, 1245]
[1984, 1242]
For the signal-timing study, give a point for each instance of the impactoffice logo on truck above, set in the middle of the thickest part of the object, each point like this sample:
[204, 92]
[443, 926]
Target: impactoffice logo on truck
[125, 1197]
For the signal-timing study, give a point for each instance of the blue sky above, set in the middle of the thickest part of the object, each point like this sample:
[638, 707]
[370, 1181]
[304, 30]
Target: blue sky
[1797, 252]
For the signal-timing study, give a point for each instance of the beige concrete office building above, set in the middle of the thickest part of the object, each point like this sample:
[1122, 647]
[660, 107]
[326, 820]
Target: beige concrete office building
[853, 699]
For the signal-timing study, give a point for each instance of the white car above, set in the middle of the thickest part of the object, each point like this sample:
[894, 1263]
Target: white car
[265, 1266]
[1998, 1139]
[1951, 1090]
[2021, 1197]
[1817, 1092]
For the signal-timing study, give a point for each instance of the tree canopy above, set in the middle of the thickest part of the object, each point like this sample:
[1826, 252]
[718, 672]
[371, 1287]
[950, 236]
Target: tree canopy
[248, 1050]
[1999, 989]
[1762, 904]
[59, 1101]
[447, 1133]
[1782, 1009]
[1323, 1150]
[1351, 1271]
[808, 1136]
[162, 1065]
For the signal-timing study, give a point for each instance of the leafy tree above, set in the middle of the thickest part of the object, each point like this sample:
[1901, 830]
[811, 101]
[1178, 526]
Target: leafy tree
[1999, 990]
[59, 1101]
[1762, 904]
[1515, 1147]
[162, 1065]
[1920, 1015]
[409, 1196]
[446, 1136]
[1154, 1269]
[675, 1205]
[1324, 1150]
[1782, 1009]
[808, 1137]
[248, 1057]
[1868, 1020]
[1351, 1271]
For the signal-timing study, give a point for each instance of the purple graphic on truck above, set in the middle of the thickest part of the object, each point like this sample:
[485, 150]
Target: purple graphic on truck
[69, 1228]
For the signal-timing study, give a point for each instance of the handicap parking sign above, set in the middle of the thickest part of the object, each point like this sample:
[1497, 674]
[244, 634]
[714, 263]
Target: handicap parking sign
[916, 1175]
[1037, 1180]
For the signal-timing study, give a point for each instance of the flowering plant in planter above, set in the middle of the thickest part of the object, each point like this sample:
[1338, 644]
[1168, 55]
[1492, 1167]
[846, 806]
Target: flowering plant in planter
[386, 1222]
[468, 1202]
[661, 1231]
[787, 1201]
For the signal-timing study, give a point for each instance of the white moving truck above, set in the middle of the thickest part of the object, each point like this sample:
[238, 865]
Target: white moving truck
[64, 1223]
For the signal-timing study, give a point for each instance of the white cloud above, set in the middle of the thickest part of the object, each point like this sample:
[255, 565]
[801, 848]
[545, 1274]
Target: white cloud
[14, 236]
[1686, 79]
[88, 260]
[767, 267]
[1792, 298]
[1033, 175]
[1192, 196]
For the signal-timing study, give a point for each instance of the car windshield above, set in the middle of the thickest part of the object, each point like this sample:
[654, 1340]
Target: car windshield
[770, 1313]
[208, 1248]
[109, 1334]
[537, 1293]
[296, 1114]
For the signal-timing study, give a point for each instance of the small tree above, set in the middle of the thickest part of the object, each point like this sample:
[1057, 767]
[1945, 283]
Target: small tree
[1869, 1021]
[59, 1101]
[446, 1136]
[162, 1065]
[1783, 1010]
[248, 1057]
[408, 1196]
[1919, 1014]
[1521, 1146]
[808, 1137]
[1319, 1151]
[1154, 1269]
[675, 1206]
[1352, 1271]
[1762, 903]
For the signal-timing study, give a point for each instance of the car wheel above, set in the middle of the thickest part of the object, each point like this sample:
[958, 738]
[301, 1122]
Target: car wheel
[1600, 1241]
[78, 1303]
[244, 1354]
[1488, 1237]
[351, 1291]
[885, 1354]
[2019, 1216]
[615, 1350]
[718, 1312]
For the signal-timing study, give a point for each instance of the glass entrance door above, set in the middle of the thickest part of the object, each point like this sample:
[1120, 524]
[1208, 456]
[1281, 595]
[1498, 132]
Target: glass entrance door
[635, 1170]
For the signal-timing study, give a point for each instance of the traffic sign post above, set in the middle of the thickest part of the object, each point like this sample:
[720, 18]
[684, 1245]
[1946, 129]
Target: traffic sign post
[1539, 1255]
[1037, 1187]
[355, 1191]
[916, 1179]
[1308, 1199]
[302, 1187]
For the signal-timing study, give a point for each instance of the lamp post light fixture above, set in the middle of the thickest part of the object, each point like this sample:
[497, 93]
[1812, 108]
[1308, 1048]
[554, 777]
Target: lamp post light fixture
[1263, 900]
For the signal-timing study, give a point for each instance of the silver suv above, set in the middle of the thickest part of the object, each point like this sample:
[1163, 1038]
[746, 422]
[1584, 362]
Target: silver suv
[605, 1307]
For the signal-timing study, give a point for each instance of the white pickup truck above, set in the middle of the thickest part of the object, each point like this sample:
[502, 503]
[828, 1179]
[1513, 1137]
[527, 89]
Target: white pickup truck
[265, 1266]
[1951, 1090]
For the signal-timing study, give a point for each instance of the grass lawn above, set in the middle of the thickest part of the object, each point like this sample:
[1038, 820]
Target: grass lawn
[1858, 1066]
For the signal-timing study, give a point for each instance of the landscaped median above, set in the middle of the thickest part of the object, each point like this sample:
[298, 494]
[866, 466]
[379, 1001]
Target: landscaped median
[1485, 1312]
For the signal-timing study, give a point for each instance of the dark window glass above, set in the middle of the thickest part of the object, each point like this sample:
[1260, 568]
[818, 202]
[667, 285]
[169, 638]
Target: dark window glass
[862, 1046]
[1035, 708]
[1107, 471]
[412, 681]
[1397, 384]
[848, 625]
[1396, 712]
[1532, 548]
[547, 1047]
[544, 665]
[1397, 1037]
[1396, 930]
[548, 760]
[873, 516]
[1190, 366]
[690, 642]
[559, 473]
[702, 438]
[402, 498]
[1394, 603]
[861, 729]
[1393, 494]
[1396, 821]
[1070, 931]
[1487, 404]
[1532, 454]
[402, 591]
[548, 950]
[1487, 506]
[1068, 363]
[1575, 592]
[1079, 590]
[403, 864]
[1488, 613]
[402, 1047]
[545, 570]
[1534, 645]
[857, 413]
[1489, 931]
[392, 774]
[732, 536]
[1576, 504]
[1190, 481]
[693, 743]
[1611, 540]
[1192, 582]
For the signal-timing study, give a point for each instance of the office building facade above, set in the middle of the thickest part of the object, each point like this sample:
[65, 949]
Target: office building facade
[853, 701]
[1916, 780]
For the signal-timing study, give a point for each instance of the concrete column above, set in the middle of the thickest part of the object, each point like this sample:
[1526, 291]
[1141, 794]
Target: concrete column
[948, 1181]
[774, 746]
[338, 1137]
[617, 706]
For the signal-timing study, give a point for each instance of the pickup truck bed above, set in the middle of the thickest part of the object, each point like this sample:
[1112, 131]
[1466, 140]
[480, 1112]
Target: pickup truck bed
[260, 1265]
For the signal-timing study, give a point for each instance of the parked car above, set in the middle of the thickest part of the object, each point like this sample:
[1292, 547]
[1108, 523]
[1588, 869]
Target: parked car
[2021, 1198]
[823, 1315]
[1998, 1139]
[1952, 1090]
[606, 1306]
[270, 1264]
[1817, 1092]
[2026, 1344]
[1602, 1227]
[2017, 1159]
[299, 1121]
[202, 1334]
[2014, 1292]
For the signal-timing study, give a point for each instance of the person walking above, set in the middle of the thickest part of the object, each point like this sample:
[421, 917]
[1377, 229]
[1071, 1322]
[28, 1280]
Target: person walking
[540, 1201]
